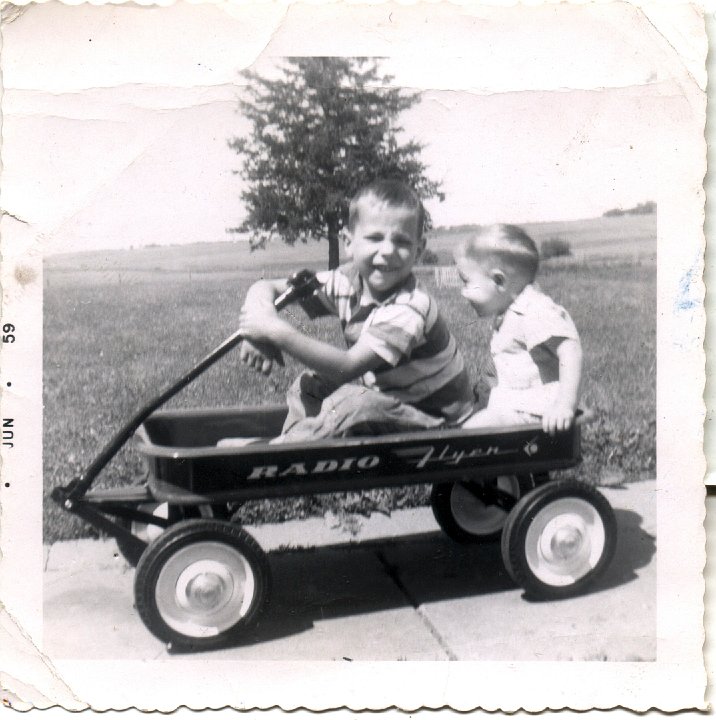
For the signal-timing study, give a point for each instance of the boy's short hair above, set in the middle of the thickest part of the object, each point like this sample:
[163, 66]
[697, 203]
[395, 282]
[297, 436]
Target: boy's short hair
[393, 192]
[510, 244]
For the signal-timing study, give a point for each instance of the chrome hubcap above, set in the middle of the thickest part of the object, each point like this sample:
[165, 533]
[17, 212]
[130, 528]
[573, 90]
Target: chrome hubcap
[205, 591]
[204, 588]
[565, 541]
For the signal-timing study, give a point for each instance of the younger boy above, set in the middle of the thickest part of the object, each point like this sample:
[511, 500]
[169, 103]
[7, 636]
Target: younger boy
[535, 346]
[401, 369]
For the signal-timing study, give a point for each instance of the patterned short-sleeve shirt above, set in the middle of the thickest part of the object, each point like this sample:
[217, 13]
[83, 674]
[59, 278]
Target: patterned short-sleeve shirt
[527, 370]
[422, 364]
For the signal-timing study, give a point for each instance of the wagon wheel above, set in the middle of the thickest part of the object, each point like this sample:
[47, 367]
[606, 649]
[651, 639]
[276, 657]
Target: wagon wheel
[201, 583]
[559, 539]
[475, 511]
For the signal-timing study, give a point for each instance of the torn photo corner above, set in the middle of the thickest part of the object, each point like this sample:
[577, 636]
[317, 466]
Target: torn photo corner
[165, 542]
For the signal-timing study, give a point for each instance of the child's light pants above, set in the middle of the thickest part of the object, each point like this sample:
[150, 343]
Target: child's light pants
[317, 409]
[496, 416]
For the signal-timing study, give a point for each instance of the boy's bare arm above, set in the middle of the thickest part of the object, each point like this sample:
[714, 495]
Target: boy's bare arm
[265, 291]
[256, 354]
[561, 414]
[262, 323]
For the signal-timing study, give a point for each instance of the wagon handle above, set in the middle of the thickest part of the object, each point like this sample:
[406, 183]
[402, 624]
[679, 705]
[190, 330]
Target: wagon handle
[300, 285]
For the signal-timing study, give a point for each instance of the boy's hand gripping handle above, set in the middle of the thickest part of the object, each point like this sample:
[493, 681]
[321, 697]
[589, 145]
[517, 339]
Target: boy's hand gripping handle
[300, 285]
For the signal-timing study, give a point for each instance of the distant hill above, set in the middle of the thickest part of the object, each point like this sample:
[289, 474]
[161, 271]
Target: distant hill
[633, 235]
[604, 236]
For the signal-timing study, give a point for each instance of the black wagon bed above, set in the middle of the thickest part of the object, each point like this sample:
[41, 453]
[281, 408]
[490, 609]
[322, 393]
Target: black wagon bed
[198, 455]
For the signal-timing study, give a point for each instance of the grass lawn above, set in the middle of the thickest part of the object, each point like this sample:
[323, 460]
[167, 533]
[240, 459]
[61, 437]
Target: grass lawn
[109, 347]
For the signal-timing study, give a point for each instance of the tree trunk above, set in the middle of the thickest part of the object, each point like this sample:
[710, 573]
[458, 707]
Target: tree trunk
[333, 246]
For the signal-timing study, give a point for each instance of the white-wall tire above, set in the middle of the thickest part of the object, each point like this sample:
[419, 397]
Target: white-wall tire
[559, 539]
[201, 583]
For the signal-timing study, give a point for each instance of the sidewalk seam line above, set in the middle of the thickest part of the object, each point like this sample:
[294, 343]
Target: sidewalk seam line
[392, 573]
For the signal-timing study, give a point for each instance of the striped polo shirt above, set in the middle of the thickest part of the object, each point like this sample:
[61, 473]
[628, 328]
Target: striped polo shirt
[422, 364]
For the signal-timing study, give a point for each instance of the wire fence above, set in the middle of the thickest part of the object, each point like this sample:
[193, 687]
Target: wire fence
[441, 275]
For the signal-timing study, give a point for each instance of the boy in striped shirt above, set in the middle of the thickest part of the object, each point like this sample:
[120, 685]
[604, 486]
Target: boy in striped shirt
[401, 369]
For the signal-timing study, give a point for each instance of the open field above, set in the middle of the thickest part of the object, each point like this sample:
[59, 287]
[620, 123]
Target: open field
[629, 236]
[109, 346]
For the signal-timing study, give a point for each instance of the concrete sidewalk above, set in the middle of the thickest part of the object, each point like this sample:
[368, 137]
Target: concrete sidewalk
[380, 588]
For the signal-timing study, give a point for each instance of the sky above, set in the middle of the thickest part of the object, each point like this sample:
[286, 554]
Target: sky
[116, 118]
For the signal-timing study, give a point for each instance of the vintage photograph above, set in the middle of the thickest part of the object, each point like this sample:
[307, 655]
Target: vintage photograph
[355, 354]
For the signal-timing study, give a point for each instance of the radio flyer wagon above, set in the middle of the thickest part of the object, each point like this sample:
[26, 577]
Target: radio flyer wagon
[201, 580]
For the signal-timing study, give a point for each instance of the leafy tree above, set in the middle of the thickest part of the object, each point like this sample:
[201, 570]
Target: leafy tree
[319, 133]
[645, 208]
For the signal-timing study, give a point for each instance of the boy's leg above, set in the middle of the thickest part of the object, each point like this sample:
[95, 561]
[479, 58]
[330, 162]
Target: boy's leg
[494, 416]
[305, 397]
[356, 410]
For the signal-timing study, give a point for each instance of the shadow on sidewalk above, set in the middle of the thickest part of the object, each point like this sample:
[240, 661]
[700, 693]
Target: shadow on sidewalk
[635, 550]
[342, 580]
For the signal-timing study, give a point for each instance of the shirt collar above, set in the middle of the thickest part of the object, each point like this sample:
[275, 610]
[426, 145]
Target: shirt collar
[408, 285]
[519, 305]
[522, 302]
